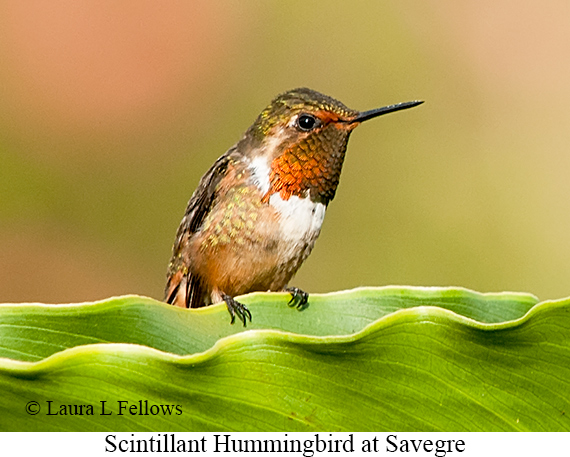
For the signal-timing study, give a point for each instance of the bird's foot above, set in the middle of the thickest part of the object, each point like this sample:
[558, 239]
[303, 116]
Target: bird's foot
[236, 308]
[299, 298]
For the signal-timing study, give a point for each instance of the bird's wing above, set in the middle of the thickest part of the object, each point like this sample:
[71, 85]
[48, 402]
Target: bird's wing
[182, 287]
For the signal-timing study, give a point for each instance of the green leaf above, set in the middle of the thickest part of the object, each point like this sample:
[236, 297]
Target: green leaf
[370, 359]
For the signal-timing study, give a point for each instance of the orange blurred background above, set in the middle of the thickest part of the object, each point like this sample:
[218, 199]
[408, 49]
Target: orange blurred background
[111, 111]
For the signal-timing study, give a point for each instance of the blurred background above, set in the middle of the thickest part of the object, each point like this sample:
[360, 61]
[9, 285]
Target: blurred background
[111, 111]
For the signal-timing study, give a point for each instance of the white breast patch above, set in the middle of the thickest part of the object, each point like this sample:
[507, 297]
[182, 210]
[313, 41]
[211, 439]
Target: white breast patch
[300, 218]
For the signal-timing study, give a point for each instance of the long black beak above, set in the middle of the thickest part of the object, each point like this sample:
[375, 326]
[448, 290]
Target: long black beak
[364, 116]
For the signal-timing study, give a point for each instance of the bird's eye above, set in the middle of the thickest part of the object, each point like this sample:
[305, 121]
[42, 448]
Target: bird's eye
[306, 122]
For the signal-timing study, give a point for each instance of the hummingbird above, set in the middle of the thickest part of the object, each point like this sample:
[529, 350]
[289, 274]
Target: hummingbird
[257, 212]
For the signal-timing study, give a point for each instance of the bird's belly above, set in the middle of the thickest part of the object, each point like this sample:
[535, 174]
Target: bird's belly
[242, 257]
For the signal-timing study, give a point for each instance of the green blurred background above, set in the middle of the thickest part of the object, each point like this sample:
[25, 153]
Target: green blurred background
[111, 111]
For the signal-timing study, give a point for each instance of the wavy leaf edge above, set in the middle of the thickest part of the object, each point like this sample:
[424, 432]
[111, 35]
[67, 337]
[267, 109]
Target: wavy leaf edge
[250, 337]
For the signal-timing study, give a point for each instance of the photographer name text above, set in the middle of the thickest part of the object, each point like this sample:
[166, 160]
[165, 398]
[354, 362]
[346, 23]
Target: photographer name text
[108, 408]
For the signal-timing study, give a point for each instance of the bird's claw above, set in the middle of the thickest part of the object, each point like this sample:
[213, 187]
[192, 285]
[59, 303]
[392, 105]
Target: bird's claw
[299, 298]
[235, 308]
